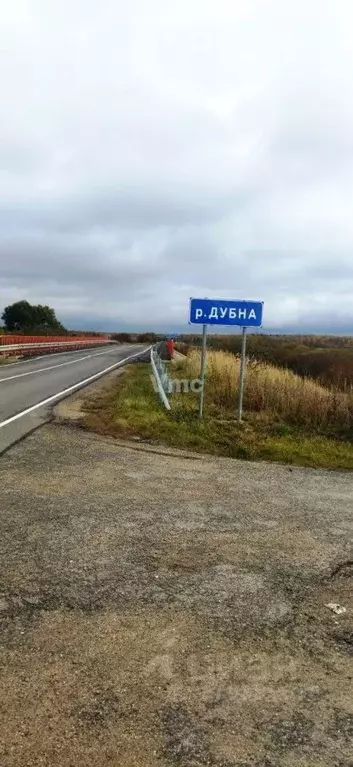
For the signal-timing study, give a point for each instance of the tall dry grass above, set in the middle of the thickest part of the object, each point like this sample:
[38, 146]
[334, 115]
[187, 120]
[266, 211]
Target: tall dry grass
[298, 401]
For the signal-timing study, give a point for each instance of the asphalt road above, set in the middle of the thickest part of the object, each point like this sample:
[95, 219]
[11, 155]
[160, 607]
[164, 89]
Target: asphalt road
[28, 389]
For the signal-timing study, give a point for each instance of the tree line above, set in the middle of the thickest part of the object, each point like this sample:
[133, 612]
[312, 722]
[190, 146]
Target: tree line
[23, 317]
[133, 338]
[35, 319]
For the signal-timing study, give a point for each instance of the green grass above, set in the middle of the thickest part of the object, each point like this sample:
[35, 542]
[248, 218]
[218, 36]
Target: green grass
[131, 408]
[6, 360]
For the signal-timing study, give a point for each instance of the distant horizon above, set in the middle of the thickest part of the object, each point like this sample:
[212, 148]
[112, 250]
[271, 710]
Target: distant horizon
[337, 327]
[309, 327]
[198, 332]
[343, 329]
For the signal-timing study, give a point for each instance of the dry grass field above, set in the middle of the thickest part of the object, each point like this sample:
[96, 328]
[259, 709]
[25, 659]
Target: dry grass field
[297, 400]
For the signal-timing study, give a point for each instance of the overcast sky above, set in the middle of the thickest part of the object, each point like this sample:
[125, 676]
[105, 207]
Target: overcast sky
[154, 150]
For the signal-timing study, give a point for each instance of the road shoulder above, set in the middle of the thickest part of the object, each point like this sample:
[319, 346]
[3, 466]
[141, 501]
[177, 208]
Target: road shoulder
[157, 610]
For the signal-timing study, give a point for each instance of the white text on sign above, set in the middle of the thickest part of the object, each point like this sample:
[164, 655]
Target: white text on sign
[222, 312]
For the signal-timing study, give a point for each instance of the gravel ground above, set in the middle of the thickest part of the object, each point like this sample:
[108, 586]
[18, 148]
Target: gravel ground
[163, 609]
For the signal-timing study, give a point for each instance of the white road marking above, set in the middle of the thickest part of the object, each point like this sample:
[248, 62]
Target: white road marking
[69, 389]
[52, 367]
[43, 356]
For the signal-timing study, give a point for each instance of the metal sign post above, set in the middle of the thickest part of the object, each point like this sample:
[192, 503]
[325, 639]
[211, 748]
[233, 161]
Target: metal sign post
[203, 370]
[242, 375]
[220, 311]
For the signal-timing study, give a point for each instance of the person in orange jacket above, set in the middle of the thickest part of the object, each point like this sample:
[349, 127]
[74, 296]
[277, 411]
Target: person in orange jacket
[170, 347]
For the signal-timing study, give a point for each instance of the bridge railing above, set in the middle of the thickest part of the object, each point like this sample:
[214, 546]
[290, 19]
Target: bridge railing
[17, 345]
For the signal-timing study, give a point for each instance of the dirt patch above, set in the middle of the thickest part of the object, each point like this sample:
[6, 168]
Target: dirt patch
[71, 410]
[185, 742]
[343, 570]
[159, 610]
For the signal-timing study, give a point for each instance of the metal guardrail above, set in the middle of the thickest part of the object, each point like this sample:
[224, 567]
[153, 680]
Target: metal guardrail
[51, 344]
[161, 376]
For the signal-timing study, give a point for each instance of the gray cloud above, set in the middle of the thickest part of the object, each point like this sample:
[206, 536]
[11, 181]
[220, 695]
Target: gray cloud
[150, 152]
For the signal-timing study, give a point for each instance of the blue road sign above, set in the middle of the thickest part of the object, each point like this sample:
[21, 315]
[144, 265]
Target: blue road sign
[216, 311]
